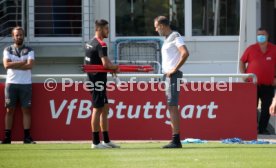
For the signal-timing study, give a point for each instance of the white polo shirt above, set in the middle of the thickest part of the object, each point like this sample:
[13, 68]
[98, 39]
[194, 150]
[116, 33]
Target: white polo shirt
[170, 52]
[14, 75]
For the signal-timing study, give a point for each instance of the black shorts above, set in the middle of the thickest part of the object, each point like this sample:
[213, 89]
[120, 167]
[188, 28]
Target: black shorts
[99, 97]
[15, 92]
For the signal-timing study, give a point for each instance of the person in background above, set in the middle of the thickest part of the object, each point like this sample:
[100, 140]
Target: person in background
[174, 55]
[18, 60]
[96, 54]
[260, 59]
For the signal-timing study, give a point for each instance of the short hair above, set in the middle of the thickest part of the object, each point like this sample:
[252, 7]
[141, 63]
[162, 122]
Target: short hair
[100, 23]
[262, 29]
[162, 20]
[17, 28]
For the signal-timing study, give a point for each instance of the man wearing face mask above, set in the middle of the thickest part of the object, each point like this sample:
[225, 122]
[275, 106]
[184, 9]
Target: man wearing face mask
[261, 61]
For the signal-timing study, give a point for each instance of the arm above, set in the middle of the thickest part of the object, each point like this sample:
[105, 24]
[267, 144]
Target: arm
[245, 58]
[21, 65]
[12, 65]
[28, 65]
[272, 108]
[242, 63]
[30, 61]
[107, 63]
[243, 70]
[242, 67]
[274, 81]
[184, 54]
[102, 51]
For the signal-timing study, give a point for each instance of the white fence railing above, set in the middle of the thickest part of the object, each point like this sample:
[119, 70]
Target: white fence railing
[253, 76]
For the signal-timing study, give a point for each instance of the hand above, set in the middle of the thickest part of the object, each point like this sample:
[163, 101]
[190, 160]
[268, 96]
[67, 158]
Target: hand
[245, 79]
[274, 82]
[113, 74]
[272, 108]
[117, 70]
[172, 71]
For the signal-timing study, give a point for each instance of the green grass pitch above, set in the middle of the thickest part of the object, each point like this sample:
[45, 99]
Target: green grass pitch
[137, 155]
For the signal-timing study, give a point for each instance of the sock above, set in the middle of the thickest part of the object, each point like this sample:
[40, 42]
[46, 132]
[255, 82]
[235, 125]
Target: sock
[106, 137]
[27, 133]
[8, 133]
[176, 138]
[96, 138]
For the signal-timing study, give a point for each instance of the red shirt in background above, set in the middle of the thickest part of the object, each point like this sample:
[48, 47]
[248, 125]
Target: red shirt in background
[261, 64]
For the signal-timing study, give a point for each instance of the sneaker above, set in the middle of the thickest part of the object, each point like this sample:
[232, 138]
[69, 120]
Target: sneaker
[29, 140]
[111, 145]
[173, 145]
[99, 146]
[6, 141]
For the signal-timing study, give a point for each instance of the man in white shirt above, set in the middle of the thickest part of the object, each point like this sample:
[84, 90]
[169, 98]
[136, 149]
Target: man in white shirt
[18, 60]
[174, 55]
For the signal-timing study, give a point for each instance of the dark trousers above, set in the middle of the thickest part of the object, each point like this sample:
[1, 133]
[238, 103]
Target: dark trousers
[265, 93]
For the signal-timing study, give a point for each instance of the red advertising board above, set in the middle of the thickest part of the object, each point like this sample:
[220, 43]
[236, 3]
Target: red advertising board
[140, 115]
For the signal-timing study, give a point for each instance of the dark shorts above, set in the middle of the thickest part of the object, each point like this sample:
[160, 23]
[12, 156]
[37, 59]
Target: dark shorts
[15, 92]
[172, 91]
[99, 97]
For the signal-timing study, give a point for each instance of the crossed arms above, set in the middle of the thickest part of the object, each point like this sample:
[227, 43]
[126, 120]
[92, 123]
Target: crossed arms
[20, 65]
